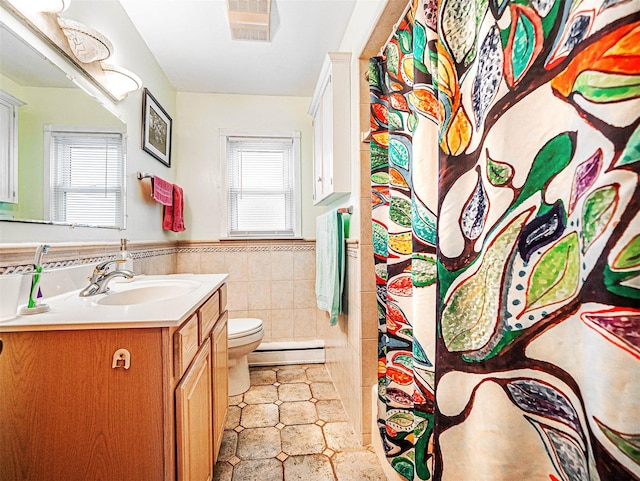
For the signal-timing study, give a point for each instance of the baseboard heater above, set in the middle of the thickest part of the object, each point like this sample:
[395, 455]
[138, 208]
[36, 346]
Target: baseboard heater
[280, 353]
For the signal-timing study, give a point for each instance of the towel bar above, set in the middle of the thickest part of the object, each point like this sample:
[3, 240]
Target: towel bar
[145, 175]
[345, 210]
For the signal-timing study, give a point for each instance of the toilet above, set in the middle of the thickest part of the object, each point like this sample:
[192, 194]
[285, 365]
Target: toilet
[245, 334]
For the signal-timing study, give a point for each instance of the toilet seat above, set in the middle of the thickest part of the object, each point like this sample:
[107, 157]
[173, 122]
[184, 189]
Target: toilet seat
[243, 327]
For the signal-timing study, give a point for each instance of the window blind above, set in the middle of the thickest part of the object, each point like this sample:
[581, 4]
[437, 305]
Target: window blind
[87, 178]
[261, 187]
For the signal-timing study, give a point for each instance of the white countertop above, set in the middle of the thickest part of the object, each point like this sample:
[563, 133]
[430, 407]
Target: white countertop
[70, 312]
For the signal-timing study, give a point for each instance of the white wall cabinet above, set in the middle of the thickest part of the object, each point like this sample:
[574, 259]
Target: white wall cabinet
[331, 112]
[9, 147]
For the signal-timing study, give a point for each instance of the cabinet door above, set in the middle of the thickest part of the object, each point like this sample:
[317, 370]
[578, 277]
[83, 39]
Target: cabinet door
[194, 419]
[327, 140]
[331, 111]
[220, 382]
[9, 147]
[66, 414]
[318, 175]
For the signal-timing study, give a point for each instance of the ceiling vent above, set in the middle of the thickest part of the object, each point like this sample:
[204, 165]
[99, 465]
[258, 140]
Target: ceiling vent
[249, 19]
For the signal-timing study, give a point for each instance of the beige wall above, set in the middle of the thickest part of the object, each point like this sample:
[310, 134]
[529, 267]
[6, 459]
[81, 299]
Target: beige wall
[202, 116]
[352, 347]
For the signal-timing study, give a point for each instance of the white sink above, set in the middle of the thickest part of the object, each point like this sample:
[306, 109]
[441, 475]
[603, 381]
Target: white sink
[144, 291]
[138, 291]
[144, 301]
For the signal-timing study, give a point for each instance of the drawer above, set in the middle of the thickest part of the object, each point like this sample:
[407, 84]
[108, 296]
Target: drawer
[209, 313]
[185, 345]
[223, 297]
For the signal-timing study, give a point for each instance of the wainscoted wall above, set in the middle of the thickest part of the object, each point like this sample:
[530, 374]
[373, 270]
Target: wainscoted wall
[352, 349]
[352, 346]
[272, 280]
[148, 257]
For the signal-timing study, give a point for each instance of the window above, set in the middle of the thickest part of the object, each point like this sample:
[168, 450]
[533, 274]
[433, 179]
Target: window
[261, 193]
[86, 175]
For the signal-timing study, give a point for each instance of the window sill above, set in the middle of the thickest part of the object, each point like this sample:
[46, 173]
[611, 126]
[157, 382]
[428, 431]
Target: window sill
[258, 238]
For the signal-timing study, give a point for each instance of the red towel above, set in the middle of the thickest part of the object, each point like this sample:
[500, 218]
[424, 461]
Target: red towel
[174, 214]
[162, 190]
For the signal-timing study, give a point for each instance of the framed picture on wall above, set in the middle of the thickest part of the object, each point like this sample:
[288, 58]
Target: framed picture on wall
[156, 129]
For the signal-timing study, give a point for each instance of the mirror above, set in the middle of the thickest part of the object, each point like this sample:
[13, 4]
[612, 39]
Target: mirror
[50, 99]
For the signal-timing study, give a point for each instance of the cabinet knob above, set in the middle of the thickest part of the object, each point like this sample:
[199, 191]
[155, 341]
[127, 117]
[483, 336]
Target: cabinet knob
[319, 179]
[121, 358]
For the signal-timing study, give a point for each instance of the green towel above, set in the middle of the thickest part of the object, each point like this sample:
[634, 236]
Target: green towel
[330, 263]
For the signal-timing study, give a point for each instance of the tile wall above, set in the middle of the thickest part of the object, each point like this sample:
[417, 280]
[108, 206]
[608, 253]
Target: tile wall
[352, 344]
[148, 257]
[352, 349]
[271, 280]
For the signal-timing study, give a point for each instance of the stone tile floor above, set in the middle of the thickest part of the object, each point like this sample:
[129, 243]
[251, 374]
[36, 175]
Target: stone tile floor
[290, 426]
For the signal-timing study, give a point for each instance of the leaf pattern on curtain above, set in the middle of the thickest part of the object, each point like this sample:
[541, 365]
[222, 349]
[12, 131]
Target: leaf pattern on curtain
[505, 156]
[404, 237]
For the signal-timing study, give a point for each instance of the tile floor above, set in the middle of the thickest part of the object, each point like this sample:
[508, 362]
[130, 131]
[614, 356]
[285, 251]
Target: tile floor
[291, 426]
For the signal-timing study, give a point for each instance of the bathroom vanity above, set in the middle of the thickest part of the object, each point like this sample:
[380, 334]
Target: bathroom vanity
[117, 396]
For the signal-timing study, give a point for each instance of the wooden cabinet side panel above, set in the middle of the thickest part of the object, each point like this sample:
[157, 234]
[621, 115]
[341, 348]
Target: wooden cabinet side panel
[220, 381]
[67, 414]
[194, 420]
[223, 297]
[168, 400]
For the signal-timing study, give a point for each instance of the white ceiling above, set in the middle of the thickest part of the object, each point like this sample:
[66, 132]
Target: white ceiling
[191, 41]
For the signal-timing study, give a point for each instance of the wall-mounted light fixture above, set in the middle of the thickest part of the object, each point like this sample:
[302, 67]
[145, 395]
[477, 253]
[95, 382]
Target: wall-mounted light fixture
[86, 43]
[120, 81]
[82, 45]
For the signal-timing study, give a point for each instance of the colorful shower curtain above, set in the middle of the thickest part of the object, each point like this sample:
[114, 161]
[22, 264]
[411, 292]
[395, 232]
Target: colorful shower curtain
[505, 155]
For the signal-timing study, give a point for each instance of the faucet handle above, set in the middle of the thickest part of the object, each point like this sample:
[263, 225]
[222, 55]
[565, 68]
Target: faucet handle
[103, 267]
[99, 268]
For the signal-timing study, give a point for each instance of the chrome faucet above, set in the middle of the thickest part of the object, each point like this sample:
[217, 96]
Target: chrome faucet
[102, 275]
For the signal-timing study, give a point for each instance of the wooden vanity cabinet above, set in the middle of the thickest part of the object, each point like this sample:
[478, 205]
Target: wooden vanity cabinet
[67, 414]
